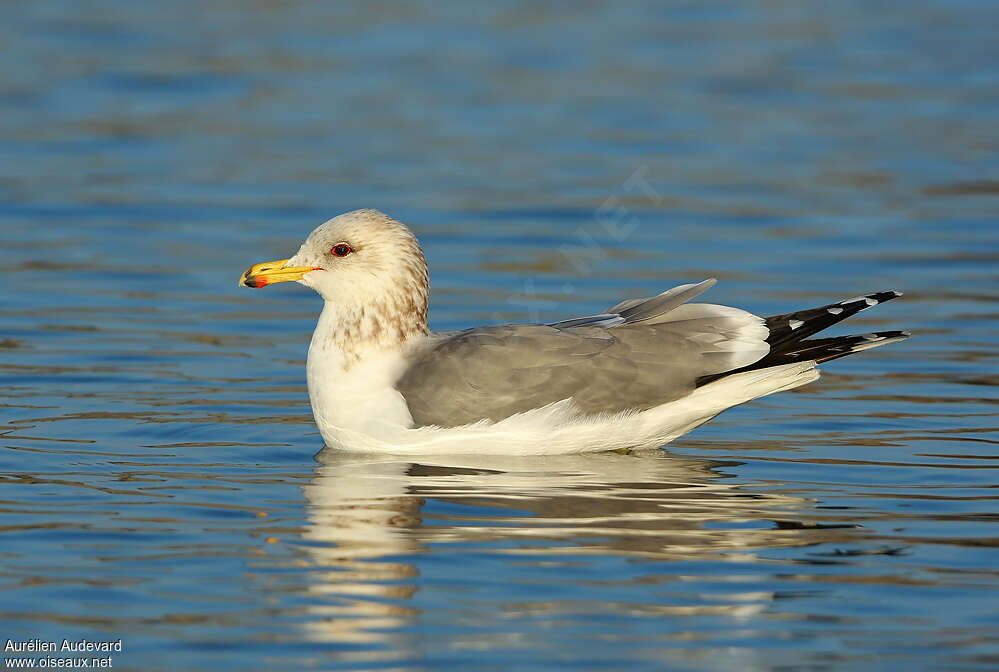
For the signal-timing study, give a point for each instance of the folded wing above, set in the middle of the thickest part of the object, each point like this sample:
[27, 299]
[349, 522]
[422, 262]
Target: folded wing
[640, 354]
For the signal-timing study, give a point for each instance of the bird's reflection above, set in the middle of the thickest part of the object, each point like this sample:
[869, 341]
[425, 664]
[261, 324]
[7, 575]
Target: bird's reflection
[371, 515]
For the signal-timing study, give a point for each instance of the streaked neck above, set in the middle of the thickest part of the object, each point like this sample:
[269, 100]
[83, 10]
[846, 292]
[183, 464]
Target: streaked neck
[351, 333]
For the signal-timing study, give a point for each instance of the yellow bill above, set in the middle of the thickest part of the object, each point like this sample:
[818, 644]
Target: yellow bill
[270, 272]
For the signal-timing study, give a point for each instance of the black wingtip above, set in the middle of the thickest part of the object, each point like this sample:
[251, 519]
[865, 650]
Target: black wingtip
[790, 334]
[797, 326]
[873, 299]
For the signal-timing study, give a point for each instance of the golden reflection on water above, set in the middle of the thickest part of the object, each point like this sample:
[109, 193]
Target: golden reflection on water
[555, 510]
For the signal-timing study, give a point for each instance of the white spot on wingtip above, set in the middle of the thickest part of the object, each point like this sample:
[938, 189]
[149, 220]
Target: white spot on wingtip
[794, 324]
[870, 301]
[873, 337]
[834, 311]
[897, 293]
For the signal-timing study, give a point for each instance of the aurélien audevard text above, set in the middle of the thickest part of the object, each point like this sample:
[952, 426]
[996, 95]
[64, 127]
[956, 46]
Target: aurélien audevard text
[67, 645]
[67, 654]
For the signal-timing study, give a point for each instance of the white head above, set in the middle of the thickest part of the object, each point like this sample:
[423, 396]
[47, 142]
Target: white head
[370, 270]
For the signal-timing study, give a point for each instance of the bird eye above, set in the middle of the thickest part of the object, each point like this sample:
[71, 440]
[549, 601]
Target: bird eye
[341, 250]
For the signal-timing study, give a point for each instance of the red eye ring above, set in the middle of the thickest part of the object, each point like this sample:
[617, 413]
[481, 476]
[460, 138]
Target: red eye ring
[341, 250]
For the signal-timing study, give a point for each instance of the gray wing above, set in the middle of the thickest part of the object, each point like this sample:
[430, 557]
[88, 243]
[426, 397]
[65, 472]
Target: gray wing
[641, 353]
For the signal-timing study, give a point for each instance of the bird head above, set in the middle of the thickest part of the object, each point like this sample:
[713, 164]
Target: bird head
[359, 258]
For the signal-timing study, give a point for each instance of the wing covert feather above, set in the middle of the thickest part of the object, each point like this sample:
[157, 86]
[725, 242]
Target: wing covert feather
[495, 372]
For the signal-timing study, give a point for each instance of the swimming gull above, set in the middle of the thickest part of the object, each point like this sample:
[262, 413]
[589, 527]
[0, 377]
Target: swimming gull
[638, 375]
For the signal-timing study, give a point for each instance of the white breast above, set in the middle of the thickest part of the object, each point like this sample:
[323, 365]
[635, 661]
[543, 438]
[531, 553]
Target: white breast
[354, 392]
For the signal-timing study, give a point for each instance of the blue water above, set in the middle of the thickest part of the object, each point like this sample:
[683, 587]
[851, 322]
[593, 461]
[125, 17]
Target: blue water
[162, 483]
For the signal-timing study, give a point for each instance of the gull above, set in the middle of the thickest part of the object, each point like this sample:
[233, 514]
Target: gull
[636, 376]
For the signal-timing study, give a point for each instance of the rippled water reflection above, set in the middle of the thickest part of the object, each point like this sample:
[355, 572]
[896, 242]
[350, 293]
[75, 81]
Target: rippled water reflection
[160, 476]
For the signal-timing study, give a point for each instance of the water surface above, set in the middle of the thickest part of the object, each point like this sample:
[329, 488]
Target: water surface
[161, 480]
